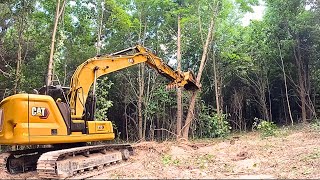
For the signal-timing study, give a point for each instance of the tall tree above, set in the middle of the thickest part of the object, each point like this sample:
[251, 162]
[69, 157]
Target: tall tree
[179, 93]
[285, 84]
[20, 13]
[59, 11]
[190, 115]
[290, 22]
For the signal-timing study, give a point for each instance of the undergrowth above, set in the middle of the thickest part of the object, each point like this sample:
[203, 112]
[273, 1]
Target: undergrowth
[168, 160]
[266, 128]
[315, 125]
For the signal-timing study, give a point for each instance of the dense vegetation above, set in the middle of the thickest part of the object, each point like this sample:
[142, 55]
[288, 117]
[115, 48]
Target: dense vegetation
[267, 70]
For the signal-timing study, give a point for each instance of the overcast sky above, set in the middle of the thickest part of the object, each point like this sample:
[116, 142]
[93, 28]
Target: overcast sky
[256, 15]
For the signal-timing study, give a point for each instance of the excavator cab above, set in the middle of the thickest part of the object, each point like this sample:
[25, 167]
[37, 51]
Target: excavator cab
[59, 95]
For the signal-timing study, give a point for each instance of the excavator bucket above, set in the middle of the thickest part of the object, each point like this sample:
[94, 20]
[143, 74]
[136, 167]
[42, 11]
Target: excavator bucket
[191, 84]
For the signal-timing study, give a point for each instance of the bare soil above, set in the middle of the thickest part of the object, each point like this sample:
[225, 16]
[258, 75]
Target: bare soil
[291, 154]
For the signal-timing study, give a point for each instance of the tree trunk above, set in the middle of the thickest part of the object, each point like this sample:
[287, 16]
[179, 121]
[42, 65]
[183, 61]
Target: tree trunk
[302, 91]
[19, 56]
[190, 115]
[18, 67]
[216, 85]
[100, 26]
[285, 85]
[179, 93]
[140, 100]
[158, 126]
[263, 102]
[59, 11]
[126, 119]
[284, 109]
[237, 108]
[260, 85]
[146, 101]
[270, 102]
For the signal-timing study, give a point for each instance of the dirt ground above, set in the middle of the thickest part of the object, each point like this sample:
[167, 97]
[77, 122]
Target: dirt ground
[291, 154]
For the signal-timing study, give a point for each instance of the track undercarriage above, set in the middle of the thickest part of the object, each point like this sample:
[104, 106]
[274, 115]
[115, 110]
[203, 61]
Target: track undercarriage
[56, 163]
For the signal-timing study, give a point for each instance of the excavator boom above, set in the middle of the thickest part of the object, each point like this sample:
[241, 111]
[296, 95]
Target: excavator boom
[87, 73]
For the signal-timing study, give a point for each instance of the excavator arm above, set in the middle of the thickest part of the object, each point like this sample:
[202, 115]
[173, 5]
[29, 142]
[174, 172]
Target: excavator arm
[87, 73]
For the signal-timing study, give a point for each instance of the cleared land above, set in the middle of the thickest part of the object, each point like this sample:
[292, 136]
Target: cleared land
[292, 153]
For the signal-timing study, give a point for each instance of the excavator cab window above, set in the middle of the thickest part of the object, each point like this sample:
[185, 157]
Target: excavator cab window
[90, 108]
[58, 93]
[55, 92]
[66, 114]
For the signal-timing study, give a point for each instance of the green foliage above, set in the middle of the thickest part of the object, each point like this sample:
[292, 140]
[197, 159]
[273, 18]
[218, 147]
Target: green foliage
[213, 125]
[266, 128]
[161, 97]
[103, 104]
[315, 125]
[218, 125]
[245, 4]
[168, 160]
[203, 161]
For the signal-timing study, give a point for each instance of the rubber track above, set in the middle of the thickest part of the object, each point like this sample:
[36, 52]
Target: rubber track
[46, 167]
[5, 156]
[3, 162]
[99, 171]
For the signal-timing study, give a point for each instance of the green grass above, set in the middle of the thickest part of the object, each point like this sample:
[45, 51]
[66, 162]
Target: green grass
[168, 160]
[315, 155]
[203, 161]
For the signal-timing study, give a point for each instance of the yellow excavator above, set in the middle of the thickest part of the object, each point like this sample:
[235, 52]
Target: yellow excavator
[61, 120]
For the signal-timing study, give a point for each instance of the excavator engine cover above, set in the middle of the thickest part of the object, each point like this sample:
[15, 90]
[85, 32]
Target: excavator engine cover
[34, 119]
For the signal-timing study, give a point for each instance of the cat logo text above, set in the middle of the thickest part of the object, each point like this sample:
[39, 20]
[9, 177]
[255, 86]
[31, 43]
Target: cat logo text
[42, 112]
